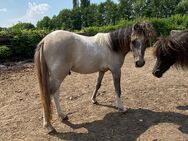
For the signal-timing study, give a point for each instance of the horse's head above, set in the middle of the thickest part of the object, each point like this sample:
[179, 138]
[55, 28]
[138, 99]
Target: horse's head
[139, 36]
[165, 56]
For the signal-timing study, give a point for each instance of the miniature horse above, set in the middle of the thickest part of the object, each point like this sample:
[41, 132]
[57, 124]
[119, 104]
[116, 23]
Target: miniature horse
[61, 52]
[169, 51]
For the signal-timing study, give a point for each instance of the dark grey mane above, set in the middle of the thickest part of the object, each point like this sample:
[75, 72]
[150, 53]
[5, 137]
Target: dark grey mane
[176, 45]
[120, 39]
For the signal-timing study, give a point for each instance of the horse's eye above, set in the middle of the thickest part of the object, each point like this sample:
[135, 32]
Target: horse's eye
[133, 42]
[164, 55]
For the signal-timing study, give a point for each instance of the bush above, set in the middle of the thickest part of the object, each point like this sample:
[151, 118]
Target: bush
[23, 42]
[22, 26]
[5, 52]
[26, 41]
[163, 26]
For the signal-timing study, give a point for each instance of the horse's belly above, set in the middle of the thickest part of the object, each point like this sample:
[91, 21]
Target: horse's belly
[89, 59]
[89, 68]
[84, 71]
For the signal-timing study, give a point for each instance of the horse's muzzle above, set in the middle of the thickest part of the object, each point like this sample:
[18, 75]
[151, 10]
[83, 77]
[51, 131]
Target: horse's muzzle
[139, 63]
[157, 73]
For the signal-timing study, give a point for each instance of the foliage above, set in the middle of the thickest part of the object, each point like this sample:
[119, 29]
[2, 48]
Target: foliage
[154, 8]
[23, 43]
[22, 26]
[163, 26]
[182, 7]
[26, 42]
[75, 3]
[5, 52]
[84, 3]
[85, 14]
[125, 8]
[45, 23]
[108, 28]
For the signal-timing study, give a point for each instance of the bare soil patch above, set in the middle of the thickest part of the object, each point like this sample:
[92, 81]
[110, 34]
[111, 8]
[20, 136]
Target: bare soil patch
[158, 108]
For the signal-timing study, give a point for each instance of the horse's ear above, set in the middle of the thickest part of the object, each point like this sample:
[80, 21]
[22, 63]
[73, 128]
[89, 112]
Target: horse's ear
[136, 27]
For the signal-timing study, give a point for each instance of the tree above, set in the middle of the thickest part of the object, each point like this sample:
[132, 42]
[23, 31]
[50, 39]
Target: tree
[75, 4]
[22, 26]
[45, 23]
[110, 12]
[125, 8]
[84, 3]
[55, 23]
[100, 15]
[182, 7]
[91, 15]
[76, 20]
[154, 8]
[167, 8]
[65, 19]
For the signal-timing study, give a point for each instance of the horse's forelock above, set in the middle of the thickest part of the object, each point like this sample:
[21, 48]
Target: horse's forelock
[161, 47]
[137, 30]
[144, 28]
[148, 29]
[157, 48]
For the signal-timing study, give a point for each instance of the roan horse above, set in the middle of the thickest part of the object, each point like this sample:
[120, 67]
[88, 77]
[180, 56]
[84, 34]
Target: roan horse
[61, 52]
[172, 50]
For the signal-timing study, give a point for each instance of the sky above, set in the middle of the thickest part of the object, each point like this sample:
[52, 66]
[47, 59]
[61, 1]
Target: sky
[14, 11]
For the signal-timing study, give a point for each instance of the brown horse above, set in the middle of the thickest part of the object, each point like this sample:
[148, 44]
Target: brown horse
[172, 50]
[61, 52]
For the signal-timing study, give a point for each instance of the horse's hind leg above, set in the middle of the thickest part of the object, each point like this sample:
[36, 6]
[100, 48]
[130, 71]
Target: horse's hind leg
[55, 84]
[48, 125]
[98, 85]
[58, 107]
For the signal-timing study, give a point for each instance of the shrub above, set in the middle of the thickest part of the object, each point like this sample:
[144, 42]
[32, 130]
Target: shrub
[22, 26]
[26, 41]
[163, 26]
[5, 52]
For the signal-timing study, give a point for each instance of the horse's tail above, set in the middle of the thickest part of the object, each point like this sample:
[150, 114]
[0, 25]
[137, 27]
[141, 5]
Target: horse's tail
[43, 78]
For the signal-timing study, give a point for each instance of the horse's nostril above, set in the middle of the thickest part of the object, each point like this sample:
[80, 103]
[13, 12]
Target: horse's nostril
[157, 73]
[140, 63]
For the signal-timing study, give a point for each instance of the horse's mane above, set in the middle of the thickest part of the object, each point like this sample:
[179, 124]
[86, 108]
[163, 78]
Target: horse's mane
[174, 45]
[120, 39]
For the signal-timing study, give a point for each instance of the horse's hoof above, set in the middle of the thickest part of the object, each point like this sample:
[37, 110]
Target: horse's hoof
[52, 131]
[122, 110]
[94, 101]
[65, 118]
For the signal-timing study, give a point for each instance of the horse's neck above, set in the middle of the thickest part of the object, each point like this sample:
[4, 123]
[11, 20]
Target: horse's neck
[102, 39]
[117, 44]
[120, 41]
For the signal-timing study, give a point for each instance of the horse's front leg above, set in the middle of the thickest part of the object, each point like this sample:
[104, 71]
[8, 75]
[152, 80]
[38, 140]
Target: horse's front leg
[116, 78]
[98, 85]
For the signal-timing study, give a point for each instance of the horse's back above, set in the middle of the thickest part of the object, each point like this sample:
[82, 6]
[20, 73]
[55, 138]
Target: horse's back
[78, 53]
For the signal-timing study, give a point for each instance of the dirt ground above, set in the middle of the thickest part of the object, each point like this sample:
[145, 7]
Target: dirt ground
[158, 108]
